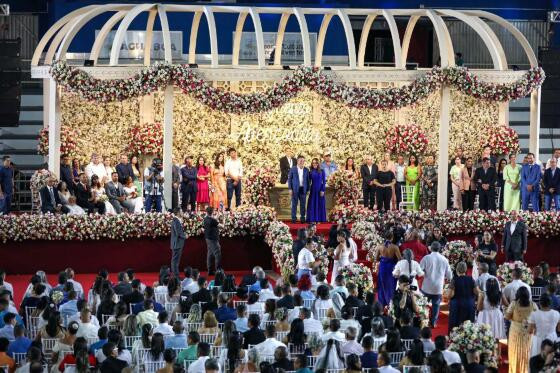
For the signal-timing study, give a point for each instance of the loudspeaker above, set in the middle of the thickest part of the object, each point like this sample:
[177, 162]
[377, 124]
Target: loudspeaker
[550, 90]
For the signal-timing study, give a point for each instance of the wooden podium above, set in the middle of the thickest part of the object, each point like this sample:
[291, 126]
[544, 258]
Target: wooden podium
[281, 201]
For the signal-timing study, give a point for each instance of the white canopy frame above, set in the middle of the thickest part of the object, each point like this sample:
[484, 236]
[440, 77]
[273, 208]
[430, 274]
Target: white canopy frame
[61, 34]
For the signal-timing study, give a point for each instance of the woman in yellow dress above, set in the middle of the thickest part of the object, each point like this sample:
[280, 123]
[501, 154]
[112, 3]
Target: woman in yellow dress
[519, 341]
[218, 180]
[512, 178]
[412, 173]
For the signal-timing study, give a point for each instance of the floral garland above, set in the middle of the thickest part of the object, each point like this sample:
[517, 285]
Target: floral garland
[146, 139]
[38, 180]
[505, 272]
[246, 220]
[452, 222]
[158, 76]
[367, 232]
[358, 274]
[458, 251]
[279, 238]
[406, 139]
[472, 336]
[423, 309]
[257, 185]
[502, 139]
[346, 186]
[68, 145]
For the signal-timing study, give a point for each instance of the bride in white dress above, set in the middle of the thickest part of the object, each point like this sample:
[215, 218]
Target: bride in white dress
[343, 255]
[99, 193]
[132, 195]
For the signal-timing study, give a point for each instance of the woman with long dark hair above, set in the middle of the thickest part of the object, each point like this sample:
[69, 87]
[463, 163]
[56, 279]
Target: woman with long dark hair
[414, 356]
[488, 306]
[233, 354]
[229, 284]
[54, 328]
[331, 356]
[269, 312]
[80, 357]
[202, 177]
[142, 343]
[296, 336]
[487, 251]
[316, 210]
[389, 256]
[413, 173]
[157, 347]
[218, 180]
[519, 339]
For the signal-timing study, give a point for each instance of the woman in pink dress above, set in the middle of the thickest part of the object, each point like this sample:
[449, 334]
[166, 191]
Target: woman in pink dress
[202, 194]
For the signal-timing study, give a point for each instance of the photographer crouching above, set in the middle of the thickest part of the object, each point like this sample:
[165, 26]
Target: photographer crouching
[153, 185]
[404, 299]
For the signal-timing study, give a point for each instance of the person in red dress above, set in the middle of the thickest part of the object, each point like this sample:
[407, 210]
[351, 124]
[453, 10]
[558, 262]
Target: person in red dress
[413, 243]
[80, 357]
[203, 174]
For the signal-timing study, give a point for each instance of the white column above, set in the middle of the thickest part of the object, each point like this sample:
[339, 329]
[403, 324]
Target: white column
[168, 144]
[503, 113]
[443, 158]
[54, 128]
[535, 122]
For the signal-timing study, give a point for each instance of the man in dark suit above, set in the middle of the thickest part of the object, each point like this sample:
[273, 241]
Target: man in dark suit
[188, 185]
[203, 294]
[485, 179]
[123, 287]
[66, 173]
[124, 169]
[175, 180]
[178, 238]
[552, 185]
[286, 163]
[514, 239]
[50, 200]
[117, 196]
[136, 295]
[287, 300]
[369, 172]
[298, 183]
[85, 199]
[254, 335]
[212, 237]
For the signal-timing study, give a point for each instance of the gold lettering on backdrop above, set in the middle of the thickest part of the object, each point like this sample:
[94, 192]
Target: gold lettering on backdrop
[291, 123]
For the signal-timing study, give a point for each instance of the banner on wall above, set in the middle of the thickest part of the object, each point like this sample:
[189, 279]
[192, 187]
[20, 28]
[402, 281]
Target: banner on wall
[133, 45]
[292, 46]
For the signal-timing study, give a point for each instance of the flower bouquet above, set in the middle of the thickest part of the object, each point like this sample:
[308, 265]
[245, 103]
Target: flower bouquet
[458, 251]
[321, 254]
[350, 213]
[406, 139]
[472, 336]
[502, 139]
[358, 274]
[146, 139]
[258, 184]
[505, 272]
[279, 238]
[68, 145]
[346, 186]
[57, 297]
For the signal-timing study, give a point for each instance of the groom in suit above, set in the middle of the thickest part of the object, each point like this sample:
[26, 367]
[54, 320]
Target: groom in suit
[514, 238]
[369, 173]
[286, 163]
[178, 238]
[50, 200]
[298, 183]
[552, 185]
[530, 183]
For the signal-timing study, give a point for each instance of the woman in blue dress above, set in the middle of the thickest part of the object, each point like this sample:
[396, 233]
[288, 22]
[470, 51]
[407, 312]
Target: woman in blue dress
[316, 210]
[389, 256]
[462, 294]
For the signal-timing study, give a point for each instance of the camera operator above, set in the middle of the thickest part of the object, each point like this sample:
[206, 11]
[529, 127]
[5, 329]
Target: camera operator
[404, 298]
[153, 185]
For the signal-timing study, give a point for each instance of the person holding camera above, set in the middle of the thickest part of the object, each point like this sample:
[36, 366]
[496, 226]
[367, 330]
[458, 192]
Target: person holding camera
[153, 185]
[404, 298]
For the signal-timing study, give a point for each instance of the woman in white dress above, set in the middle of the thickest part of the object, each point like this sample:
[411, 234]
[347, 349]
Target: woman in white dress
[343, 255]
[408, 267]
[543, 324]
[132, 194]
[98, 192]
[63, 193]
[489, 309]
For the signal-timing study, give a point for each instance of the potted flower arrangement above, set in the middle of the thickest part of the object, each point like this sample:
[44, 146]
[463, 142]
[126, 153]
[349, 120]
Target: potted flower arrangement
[358, 274]
[458, 251]
[505, 272]
[406, 139]
[258, 184]
[502, 140]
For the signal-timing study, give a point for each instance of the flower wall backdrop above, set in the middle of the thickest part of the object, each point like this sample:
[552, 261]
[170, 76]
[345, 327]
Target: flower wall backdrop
[308, 123]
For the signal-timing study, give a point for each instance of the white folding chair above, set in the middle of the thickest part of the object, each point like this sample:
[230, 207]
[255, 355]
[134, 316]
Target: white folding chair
[377, 344]
[407, 343]
[170, 306]
[104, 318]
[497, 196]
[153, 366]
[238, 302]
[92, 340]
[19, 357]
[160, 297]
[322, 313]
[192, 326]
[47, 345]
[33, 326]
[130, 339]
[208, 338]
[217, 351]
[308, 303]
[281, 335]
[536, 293]
[407, 197]
[422, 368]
[312, 362]
[396, 358]
[296, 349]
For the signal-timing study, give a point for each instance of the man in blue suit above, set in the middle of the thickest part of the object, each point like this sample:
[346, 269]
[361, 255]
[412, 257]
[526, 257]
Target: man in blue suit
[530, 182]
[552, 185]
[298, 183]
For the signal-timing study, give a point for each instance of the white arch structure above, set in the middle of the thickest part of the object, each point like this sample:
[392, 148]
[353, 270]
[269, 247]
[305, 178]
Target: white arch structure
[59, 38]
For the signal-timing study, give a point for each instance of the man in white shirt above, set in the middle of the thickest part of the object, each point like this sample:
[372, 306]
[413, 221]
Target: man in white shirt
[436, 269]
[484, 276]
[339, 287]
[86, 328]
[73, 208]
[153, 185]
[163, 327]
[310, 325]
[400, 167]
[555, 156]
[193, 286]
[351, 346]
[96, 167]
[451, 357]
[234, 172]
[148, 316]
[5, 285]
[81, 304]
[268, 347]
[384, 363]
[78, 288]
[188, 278]
[508, 295]
[334, 332]
[266, 293]
[305, 260]
[203, 351]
